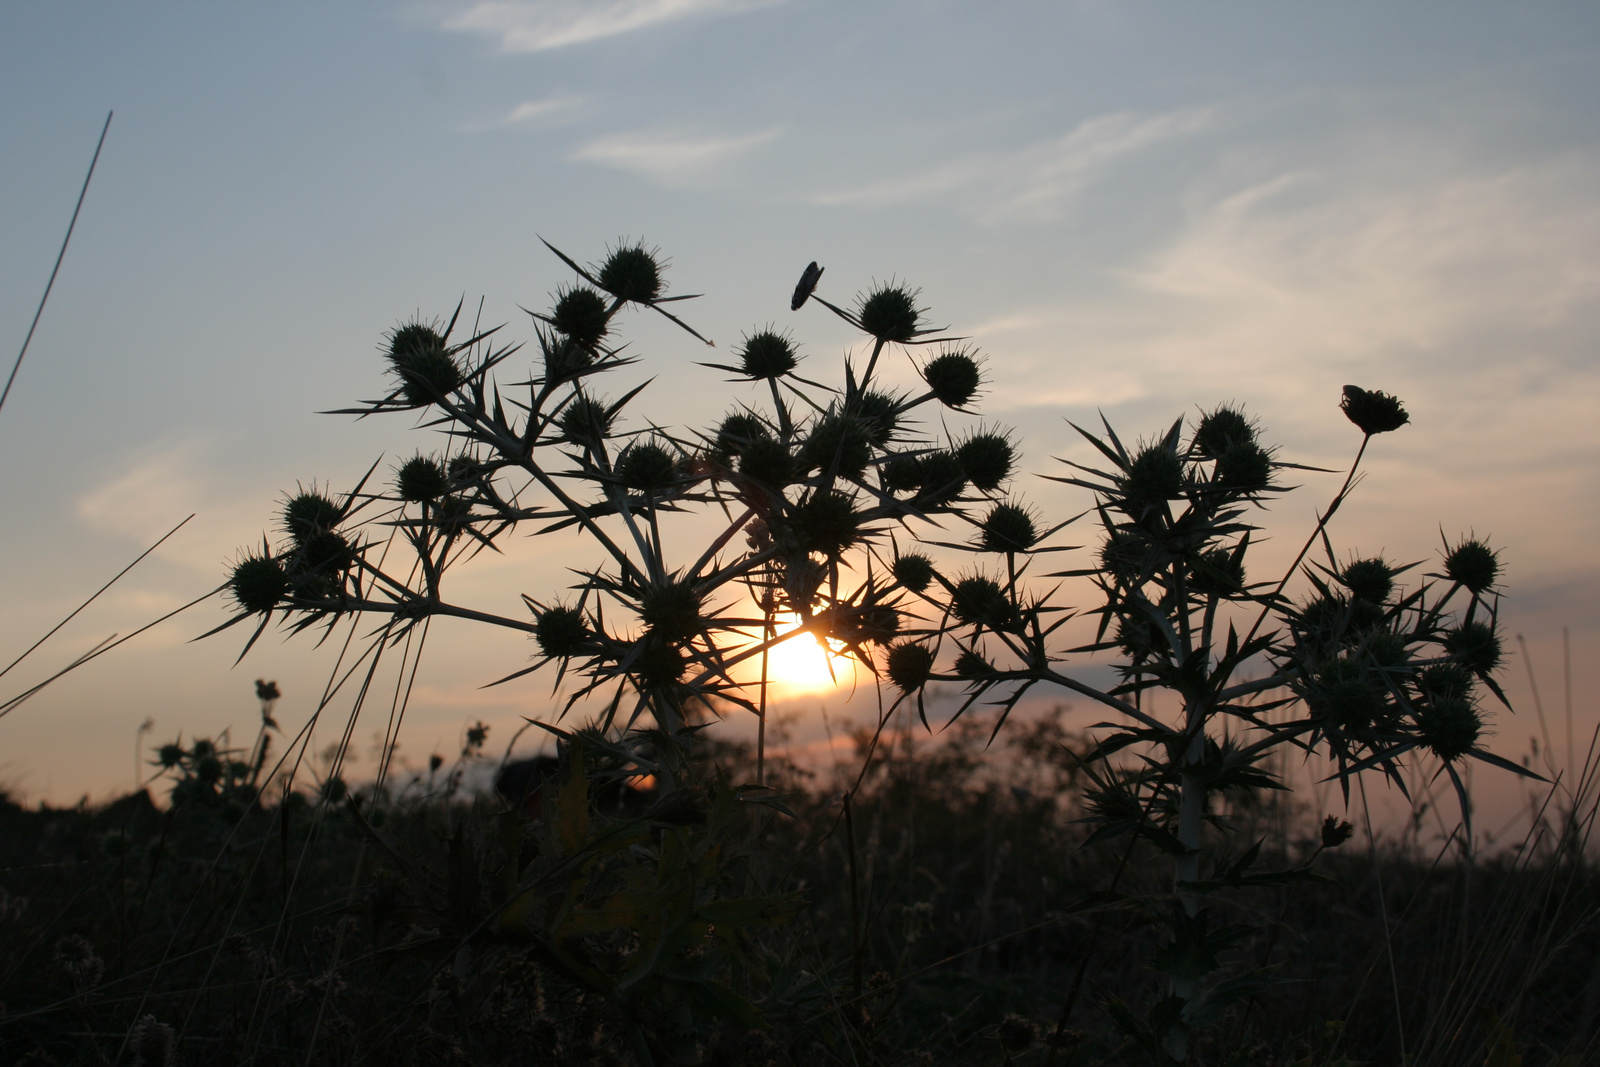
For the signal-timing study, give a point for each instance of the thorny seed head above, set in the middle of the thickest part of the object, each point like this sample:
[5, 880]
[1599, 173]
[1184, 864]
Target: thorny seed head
[308, 513]
[942, 478]
[1450, 727]
[767, 354]
[1154, 477]
[869, 622]
[826, 522]
[902, 474]
[910, 664]
[1385, 648]
[1245, 467]
[737, 432]
[1347, 697]
[1122, 556]
[913, 570]
[660, 663]
[838, 443]
[581, 314]
[259, 583]
[1475, 646]
[1141, 639]
[1373, 411]
[1473, 564]
[876, 412]
[631, 272]
[1218, 572]
[890, 312]
[325, 552]
[585, 422]
[1445, 681]
[671, 609]
[953, 377]
[425, 367]
[1371, 580]
[420, 479]
[560, 632]
[646, 467]
[169, 755]
[987, 460]
[980, 601]
[1221, 428]
[1008, 528]
[767, 461]
[973, 667]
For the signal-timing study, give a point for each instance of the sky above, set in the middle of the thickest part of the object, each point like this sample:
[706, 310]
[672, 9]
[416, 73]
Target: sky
[1134, 209]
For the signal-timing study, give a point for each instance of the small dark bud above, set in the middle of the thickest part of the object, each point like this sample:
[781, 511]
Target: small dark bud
[1473, 564]
[767, 461]
[425, 367]
[980, 601]
[1475, 646]
[767, 355]
[876, 412]
[1155, 477]
[585, 422]
[659, 664]
[942, 478]
[1221, 428]
[421, 478]
[671, 610]
[647, 468]
[902, 474]
[169, 755]
[1373, 411]
[560, 632]
[826, 522]
[581, 314]
[910, 665]
[308, 513]
[1008, 528]
[973, 667]
[259, 583]
[838, 443]
[808, 285]
[631, 273]
[914, 571]
[987, 459]
[890, 313]
[1335, 832]
[1123, 556]
[953, 377]
[1244, 467]
[1449, 727]
[1371, 580]
[737, 432]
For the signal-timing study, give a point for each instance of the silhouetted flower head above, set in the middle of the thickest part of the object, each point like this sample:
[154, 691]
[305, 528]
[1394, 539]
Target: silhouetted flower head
[1450, 727]
[913, 570]
[1335, 832]
[826, 522]
[890, 313]
[308, 513]
[838, 443]
[1475, 646]
[986, 459]
[876, 411]
[1221, 428]
[1154, 477]
[259, 583]
[768, 461]
[631, 272]
[954, 377]
[671, 609]
[560, 632]
[737, 431]
[1008, 528]
[942, 478]
[910, 664]
[1373, 411]
[1244, 467]
[1473, 564]
[646, 467]
[767, 354]
[420, 479]
[585, 421]
[422, 362]
[971, 666]
[581, 314]
[1371, 580]
[978, 600]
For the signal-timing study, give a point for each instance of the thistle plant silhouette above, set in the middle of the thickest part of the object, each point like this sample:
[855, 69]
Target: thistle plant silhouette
[834, 508]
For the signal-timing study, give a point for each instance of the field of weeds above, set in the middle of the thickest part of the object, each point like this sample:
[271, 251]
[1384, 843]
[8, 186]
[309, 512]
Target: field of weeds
[951, 913]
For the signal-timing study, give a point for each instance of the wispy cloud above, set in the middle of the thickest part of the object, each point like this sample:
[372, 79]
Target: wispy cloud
[667, 155]
[1036, 183]
[538, 112]
[535, 25]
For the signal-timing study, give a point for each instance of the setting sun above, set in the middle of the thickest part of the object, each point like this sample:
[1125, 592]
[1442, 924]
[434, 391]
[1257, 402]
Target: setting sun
[801, 665]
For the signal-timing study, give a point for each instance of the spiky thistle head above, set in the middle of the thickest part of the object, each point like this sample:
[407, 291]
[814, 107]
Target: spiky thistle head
[909, 665]
[1373, 411]
[426, 367]
[767, 354]
[582, 315]
[631, 272]
[953, 376]
[889, 312]
[421, 479]
[1473, 564]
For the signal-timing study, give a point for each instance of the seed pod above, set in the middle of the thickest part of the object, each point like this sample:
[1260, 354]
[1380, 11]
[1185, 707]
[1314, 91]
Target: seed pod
[953, 377]
[631, 273]
[1473, 564]
[561, 632]
[581, 314]
[910, 664]
[890, 313]
[259, 583]
[767, 355]
[421, 479]
[1373, 411]
[913, 570]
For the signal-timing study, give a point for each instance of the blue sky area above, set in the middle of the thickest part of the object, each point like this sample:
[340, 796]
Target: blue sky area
[1134, 208]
